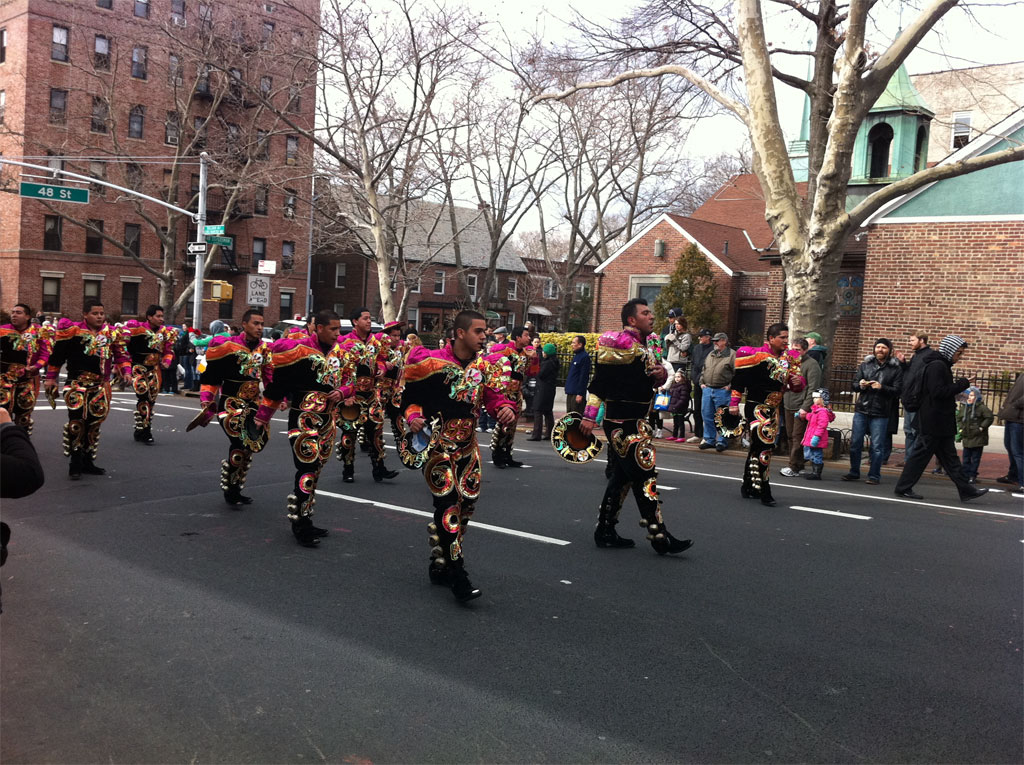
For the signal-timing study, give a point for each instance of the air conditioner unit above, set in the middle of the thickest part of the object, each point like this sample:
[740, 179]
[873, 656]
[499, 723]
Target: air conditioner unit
[172, 140]
[269, 8]
[179, 21]
[659, 248]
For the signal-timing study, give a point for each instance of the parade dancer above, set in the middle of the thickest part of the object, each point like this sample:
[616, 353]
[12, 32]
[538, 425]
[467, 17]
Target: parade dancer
[24, 351]
[389, 391]
[314, 374]
[229, 388]
[626, 373]
[446, 388]
[369, 354]
[763, 374]
[92, 349]
[517, 355]
[151, 346]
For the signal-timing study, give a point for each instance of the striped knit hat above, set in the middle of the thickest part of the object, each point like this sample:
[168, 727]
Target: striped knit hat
[951, 344]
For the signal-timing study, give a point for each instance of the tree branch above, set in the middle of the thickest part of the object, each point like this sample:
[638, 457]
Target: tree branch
[879, 75]
[692, 77]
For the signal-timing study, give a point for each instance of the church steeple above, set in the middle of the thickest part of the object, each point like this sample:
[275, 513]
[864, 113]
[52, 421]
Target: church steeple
[798, 149]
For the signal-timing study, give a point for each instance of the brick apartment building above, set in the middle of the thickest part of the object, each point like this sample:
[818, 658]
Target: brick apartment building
[130, 91]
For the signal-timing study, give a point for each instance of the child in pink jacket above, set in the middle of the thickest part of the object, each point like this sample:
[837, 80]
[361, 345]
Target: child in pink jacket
[816, 435]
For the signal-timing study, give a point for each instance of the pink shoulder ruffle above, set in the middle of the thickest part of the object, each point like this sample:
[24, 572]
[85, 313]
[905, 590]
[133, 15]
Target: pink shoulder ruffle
[65, 323]
[617, 339]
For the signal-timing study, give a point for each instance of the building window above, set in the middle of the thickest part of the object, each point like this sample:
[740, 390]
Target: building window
[235, 83]
[339, 276]
[139, 55]
[91, 289]
[551, 289]
[108, 4]
[513, 288]
[100, 115]
[174, 72]
[101, 53]
[58, 106]
[136, 121]
[259, 251]
[261, 201]
[294, 97]
[52, 239]
[879, 140]
[205, 16]
[133, 175]
[266, 85]
[203, 81]
[178, 12]
[415, 288]
[268, 33]
[51, 295]
[412, 316]
[438, 282]
[471, 286]
[133, 238]
[3, 45]
[193, 184]
[130, 299]
[262, 145]
[55, 163]
[3, 105]
[94, 239]
[287, 305]
[287, 256]
[291, 152]
[59, 46]
[339, 308]
[199, 128]
[172, 129]
[98, 169]
[583, 289]
[289, 203]
[961, 129]
[142, 9]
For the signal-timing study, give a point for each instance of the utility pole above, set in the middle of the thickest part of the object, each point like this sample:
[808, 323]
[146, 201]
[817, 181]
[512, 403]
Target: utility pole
[197, 291]
[309, 258]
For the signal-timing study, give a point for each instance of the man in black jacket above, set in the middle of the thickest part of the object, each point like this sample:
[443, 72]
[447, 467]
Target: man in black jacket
[879, 380]
[937, 422]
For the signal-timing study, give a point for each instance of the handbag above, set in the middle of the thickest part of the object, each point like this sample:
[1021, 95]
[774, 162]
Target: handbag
[661, 402]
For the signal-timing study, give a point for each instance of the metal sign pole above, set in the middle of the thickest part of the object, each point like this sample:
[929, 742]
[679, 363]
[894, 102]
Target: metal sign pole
[197, 293]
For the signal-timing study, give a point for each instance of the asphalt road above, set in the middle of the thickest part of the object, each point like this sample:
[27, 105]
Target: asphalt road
[146, 621]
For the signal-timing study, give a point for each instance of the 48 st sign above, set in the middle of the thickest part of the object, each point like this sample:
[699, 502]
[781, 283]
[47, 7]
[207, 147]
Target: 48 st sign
[54, 193]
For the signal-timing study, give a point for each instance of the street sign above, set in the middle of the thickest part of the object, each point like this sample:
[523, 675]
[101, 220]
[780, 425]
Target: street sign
[208, 230]
[197, 248]
[267, 267]
[259, 291]
[223, 241]
[54, 193]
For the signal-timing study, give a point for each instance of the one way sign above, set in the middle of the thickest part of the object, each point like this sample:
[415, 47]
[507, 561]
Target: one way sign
[197, 248]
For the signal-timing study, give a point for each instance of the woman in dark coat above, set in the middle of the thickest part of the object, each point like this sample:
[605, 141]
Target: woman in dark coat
[544, 398]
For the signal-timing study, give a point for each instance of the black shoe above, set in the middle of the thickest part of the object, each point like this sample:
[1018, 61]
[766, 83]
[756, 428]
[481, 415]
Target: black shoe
[513, 463]
[304, 534]
[746, 493]
[235, 497]
[89, 468]
[531, 438]
[908, 493]
[768, 502]
[139, 435]
[499, 460]
[977, 493]
[815, 474]
[705, 445]
[380, 473]
[607, 536]
[669, 545]
[347, 475]
[1005, 479]
[850, 477]
[74, 471]
[721, 447]
[462, 588]
[316, 530]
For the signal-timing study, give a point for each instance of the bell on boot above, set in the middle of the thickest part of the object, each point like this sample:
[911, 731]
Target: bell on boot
[607, 536]
[666, 544]
[462, 588]
[438, 572]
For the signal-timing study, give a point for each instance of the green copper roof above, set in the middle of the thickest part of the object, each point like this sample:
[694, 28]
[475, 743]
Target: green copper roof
[900, 94]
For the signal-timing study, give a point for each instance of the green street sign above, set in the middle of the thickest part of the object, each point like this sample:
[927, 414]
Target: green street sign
[223, 241]
[54, 193]
[208, 230]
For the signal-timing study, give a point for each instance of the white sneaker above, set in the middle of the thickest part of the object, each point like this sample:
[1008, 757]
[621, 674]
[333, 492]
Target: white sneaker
[788, 472]
[658, 433]
[692, 440]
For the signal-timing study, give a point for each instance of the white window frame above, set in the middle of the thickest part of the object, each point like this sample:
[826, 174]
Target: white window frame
[443, 275]
[417, 287]
[339, 275]
[551, 289]
[583, 289]
[960, 119]
[471, 281]
[513, 288]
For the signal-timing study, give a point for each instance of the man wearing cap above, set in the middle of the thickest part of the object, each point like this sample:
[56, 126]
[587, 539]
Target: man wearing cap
[719, 368]
[501, 335]
[698, 353]
[878, 382]
[937, 421]
[815, 349]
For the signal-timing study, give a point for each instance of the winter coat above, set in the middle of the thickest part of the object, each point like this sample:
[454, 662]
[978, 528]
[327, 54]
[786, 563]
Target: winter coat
[719, 369]
[680, 402]
[937, 415]
[1013, 408]
[579, 374]
[973, 422]
[818, 353]
[678, 346]
[878, 403]
[804, 400]
[547, 381]
[20, 471]
[817, 425]
[698, 354]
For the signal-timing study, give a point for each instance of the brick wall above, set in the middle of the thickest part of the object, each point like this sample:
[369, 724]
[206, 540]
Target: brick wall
[960, 278]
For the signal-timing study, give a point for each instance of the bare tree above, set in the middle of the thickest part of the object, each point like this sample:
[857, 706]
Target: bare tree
[846, 80]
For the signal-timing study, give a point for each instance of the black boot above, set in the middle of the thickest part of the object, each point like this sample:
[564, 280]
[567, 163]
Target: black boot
[664, 543]
[605, 536]
[89, 467]
[147, 437]
[498, 458]
[319, 531]
[75, 467]
[380, 472]
[815, 474]
[234, 496]
[304, 534]
[348, 474]
[462, 588]
[509, 462]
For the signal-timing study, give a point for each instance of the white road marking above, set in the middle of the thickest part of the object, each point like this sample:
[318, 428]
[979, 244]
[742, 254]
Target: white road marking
[425, 514]
[831, 512]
